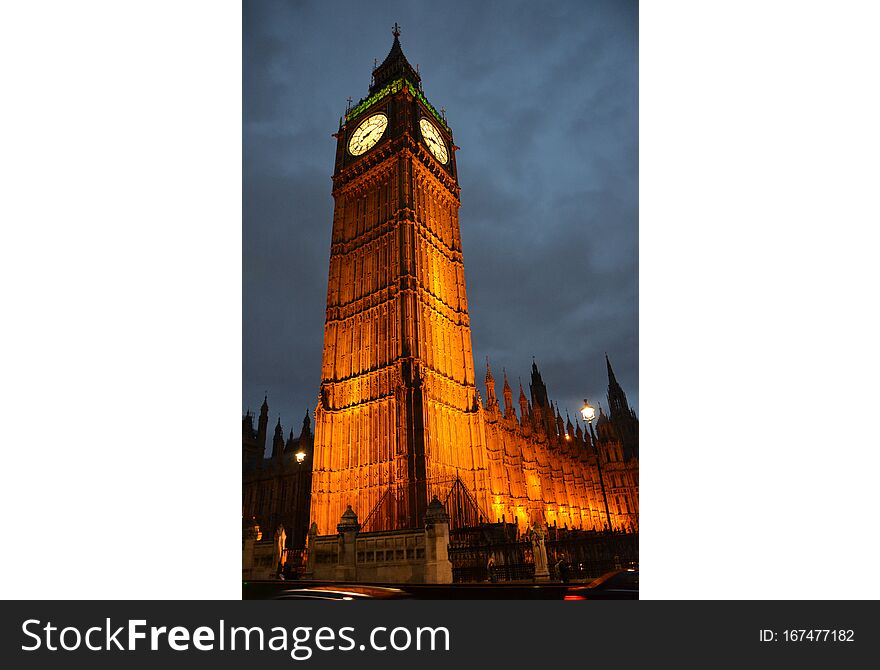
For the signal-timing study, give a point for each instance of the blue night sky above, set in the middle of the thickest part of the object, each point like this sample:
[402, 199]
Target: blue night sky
[542, 98]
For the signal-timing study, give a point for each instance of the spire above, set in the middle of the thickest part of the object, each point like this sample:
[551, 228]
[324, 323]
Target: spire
[491, 400]
[263, 426]
[623, 417]
[306, 432]
[278, 440]
[617, 403]
[394, 66]
[508, 397]
[523, 405]
[611, 379]
[537, 388]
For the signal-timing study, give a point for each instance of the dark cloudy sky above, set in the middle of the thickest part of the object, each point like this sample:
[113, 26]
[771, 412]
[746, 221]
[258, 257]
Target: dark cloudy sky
[542, 98]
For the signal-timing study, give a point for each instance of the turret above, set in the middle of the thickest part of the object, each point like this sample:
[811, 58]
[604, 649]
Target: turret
[541, 403]
[508, 398]
[603, 425]
[305, 433]
[538, 389]
[251, 456]
[263, 426]
[278, 441]
[523, 405]
[491, 400]
[247, 425]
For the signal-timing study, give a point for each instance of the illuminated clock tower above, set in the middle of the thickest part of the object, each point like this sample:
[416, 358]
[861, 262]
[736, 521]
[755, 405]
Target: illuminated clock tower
[398, 417]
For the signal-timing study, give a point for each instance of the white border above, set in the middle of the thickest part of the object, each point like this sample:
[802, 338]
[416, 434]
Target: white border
[121, 155]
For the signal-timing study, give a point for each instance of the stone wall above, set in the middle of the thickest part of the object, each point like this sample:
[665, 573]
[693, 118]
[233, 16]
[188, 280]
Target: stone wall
[418, 556]
[260, 558]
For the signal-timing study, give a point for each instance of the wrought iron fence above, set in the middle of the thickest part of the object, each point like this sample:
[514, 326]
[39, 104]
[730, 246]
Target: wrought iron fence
[584, 555]
[495, 553]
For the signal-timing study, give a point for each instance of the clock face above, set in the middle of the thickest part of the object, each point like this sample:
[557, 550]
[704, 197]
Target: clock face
[367, 134]
[434, 140]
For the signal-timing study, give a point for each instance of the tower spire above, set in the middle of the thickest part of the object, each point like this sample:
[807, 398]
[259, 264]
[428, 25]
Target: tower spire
[617, 404]
[626, 424]
[394, 66]
[611, 378]
[263, 426]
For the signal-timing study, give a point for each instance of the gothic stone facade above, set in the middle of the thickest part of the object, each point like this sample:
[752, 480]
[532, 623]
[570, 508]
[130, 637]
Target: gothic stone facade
[546, 470]
[398, 408]
[276, 490]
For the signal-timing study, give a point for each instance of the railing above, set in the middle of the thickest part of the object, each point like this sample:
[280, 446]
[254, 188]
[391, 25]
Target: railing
[588, 554]
[494, 553]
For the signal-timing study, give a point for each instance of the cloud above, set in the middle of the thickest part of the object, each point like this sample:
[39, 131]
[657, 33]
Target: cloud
[542, 99]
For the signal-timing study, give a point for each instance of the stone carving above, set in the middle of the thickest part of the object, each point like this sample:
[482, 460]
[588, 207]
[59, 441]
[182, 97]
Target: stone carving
[537, 535]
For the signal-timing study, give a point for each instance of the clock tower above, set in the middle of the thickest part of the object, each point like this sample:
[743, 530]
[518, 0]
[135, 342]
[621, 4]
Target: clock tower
[398, 417]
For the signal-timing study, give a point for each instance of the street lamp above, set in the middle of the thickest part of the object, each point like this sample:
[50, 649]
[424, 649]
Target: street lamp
[300, 456]
[589, 413]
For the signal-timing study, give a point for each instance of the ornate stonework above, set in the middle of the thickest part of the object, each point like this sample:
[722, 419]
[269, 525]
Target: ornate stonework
[399, 419]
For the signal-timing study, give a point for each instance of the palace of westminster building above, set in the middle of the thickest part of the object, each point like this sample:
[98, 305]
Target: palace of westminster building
[399, 419]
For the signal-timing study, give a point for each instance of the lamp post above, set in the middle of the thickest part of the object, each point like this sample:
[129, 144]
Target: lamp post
[301, 502]
[588, 413]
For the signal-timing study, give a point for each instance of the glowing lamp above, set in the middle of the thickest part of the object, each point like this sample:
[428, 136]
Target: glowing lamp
[587, 412]
[300, 456]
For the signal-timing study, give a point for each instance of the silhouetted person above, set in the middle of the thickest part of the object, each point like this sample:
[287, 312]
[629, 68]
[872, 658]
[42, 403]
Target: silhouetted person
[562, 570]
